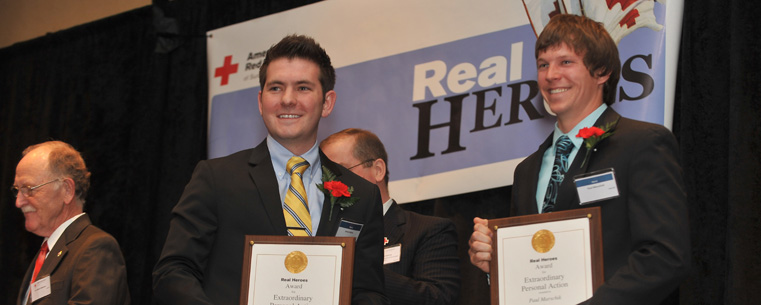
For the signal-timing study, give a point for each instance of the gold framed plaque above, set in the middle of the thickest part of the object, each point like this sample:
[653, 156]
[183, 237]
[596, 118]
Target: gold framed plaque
[550, 258]
[297, 270]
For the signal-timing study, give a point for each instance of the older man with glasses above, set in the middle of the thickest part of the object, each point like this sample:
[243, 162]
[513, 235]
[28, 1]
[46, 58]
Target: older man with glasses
[420, 264]
[77, 262]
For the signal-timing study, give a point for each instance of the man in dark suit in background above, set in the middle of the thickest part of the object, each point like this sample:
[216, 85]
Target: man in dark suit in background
[646, 245]
[421, 265]
[250, 192]
[78, 263]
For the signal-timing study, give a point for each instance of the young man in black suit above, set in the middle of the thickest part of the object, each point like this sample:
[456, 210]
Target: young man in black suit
[422, 266]
[247, 192]
[646, 245]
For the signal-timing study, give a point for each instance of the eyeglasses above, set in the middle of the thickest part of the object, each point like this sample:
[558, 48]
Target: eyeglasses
[28, 191]
[360, 163]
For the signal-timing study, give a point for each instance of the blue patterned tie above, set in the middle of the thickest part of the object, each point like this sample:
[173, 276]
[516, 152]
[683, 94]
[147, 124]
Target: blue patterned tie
[563, 148]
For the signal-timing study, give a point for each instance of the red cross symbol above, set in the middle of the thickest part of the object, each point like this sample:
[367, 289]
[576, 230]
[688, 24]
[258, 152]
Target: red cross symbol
[225, 70]
[630, 19]
[624, 3]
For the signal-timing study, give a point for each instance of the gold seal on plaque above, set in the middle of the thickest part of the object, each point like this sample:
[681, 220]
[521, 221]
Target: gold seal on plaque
[543, 241]
[296, 261]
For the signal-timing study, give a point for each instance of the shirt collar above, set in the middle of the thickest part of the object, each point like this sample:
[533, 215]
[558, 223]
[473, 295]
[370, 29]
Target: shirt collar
[387, 205]
[588, 121]
[280, 156]
[59, 231]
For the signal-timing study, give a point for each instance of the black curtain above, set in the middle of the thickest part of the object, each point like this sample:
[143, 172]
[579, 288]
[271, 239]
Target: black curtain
[717, 124]
[130, 92]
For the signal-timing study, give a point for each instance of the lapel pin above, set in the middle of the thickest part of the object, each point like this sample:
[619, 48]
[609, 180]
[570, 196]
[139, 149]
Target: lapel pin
[59, 253]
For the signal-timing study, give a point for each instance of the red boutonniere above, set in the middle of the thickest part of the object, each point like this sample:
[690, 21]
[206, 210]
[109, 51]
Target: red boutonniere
[338, 192]
[592, 136]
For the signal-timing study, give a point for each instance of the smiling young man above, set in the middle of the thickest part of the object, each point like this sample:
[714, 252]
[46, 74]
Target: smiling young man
[292, 102]
[646, 246]
[570, 90]
[252, 192]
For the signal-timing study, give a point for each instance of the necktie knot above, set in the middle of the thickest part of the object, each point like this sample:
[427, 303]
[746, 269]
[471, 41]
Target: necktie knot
[563, 145]
[296, 165]
[40, 260]
[44, 250]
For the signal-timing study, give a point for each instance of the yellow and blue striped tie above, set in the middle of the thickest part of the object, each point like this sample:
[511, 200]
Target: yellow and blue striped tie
[296, 210]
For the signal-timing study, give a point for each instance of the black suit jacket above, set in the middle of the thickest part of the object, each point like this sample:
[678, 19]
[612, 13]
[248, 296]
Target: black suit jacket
[230, 197]
[85, 266]
[646, 245]
[428, 271]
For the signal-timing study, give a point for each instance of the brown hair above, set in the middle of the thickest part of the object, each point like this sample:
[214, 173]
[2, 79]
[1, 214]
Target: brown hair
[66, 161]
[304, 47]
[588, 37]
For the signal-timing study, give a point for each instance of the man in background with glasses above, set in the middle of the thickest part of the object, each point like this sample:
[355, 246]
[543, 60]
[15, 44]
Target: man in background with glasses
[50, 187]
[421, 265]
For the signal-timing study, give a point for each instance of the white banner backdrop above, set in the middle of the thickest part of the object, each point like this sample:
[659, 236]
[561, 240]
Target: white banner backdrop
[449, 86]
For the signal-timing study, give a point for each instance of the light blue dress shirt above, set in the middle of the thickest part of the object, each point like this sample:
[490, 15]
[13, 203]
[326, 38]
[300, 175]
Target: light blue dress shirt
[311, 177]
[545, 171]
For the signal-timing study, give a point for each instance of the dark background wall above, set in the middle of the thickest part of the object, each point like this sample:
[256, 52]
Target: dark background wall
[130, 92]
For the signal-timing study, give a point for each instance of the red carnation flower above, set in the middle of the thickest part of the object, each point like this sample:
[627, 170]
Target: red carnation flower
[337, 188]
[337, 191]
[593, 135]
[588, 132]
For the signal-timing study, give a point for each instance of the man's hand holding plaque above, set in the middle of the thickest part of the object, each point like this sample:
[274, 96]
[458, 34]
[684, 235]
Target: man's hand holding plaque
[552, 258]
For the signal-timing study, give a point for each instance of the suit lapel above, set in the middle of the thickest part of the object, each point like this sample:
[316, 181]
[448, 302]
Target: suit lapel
[534, 164]
[25, 283]
[328, 220]
[607, 117]
[263, 176]
[567, 197]
[393, 224]
[61, 247]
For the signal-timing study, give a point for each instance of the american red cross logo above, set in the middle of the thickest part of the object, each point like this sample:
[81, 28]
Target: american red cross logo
[630, 19]
[225, 70]
[624, 3]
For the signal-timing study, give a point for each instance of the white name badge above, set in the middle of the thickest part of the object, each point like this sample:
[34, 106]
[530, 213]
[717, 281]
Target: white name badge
[596, 186]
[348, 228]
[392, 254]
[40, 288]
